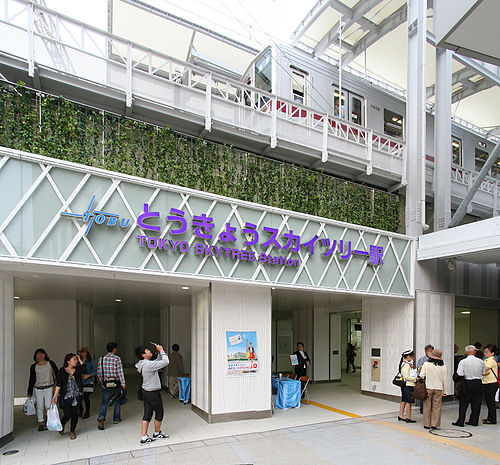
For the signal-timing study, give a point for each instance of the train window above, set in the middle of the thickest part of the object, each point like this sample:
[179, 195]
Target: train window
[393, 123]
[357, 109]
[339, 104]
[456, 151]
[299, 82]
[480, 158]
[263, 72]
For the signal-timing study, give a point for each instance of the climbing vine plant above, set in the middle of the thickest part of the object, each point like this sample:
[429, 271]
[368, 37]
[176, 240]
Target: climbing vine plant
[60, 129]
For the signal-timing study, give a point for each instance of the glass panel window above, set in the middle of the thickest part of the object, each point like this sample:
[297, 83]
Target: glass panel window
[263, 72]
[339, 104]
[456, 151]
[480, 159]
[393, 124]
[356, 110]
[298, 87]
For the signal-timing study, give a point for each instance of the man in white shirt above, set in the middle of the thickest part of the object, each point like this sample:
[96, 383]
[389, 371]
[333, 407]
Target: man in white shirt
[472, 369]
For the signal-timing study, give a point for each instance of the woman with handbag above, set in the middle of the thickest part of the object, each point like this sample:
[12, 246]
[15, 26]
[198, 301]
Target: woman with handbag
[409, 376]
[434, 373]
[41, 383]
[88, 371]
[69, 388]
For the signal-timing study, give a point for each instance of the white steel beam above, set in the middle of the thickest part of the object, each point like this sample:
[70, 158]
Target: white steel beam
[314, 13]
[351, 17]
[387, 25]
[442, 147]
[471, 88]
[416, 117]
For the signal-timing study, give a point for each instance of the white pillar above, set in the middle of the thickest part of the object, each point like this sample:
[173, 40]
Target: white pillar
[6, 357]
[435, 324]
[230, 307]
[415, 117]
[442, 141]
[387, 327]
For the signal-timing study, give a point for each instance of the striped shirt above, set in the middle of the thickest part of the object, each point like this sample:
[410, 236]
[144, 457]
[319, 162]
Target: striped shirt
[110, 366]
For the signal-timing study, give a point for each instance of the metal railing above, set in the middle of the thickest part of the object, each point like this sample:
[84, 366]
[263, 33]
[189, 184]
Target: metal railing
[67, 39]
[467, 178]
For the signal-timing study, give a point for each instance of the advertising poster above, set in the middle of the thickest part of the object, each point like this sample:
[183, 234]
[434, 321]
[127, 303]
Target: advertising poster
[242, 353]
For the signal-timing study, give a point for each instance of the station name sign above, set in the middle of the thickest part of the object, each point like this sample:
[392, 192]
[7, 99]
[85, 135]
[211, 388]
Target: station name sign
[277, 247]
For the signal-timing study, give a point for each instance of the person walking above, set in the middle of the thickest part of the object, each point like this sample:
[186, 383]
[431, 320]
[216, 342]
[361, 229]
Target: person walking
[490, 383]
[434, 373]
[88, 371]
[69, 388]
[420, 363]
[151, 390]
[409, 375]
[350, 355]
[110, 375]
[472, 369]
[175, 369]
[41, 383]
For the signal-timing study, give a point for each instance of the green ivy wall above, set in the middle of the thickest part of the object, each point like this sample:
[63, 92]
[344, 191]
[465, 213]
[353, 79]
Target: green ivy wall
[60, 129]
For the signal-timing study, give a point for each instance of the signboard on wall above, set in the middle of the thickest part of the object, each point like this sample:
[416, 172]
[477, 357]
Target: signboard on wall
[242, 353]
[66, 214]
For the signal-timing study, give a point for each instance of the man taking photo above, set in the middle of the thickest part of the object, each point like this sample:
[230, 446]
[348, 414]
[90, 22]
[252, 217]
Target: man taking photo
[151, 390]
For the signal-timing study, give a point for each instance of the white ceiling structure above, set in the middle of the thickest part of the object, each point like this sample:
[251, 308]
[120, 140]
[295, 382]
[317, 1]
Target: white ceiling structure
[373, 41]
[226, 34]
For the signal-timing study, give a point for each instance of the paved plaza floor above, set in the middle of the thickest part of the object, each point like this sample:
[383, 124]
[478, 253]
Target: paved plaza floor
[340, 426]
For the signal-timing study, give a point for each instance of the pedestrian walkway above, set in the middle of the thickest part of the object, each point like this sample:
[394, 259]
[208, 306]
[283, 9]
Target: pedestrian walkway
[373, 440]
[340, 426]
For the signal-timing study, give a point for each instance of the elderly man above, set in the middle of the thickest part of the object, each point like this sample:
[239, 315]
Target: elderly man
[472, 369]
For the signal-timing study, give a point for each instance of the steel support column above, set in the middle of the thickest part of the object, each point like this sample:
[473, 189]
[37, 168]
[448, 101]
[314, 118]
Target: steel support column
[415, 118]
[462, 208]
[442, 141]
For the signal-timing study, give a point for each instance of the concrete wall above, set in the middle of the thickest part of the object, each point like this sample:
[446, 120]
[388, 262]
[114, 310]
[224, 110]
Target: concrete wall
[6, 357]
[388, 325]
[50, 324]
[104, 332]
[85, 325]
[245, 308]
[483, 326]
[335, 346]
[180, 333]
[435, 324]
[321, 360]
[200, 350]
[303, 324]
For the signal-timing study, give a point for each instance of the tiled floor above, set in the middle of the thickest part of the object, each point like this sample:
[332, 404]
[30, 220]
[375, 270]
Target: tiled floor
[181, 423]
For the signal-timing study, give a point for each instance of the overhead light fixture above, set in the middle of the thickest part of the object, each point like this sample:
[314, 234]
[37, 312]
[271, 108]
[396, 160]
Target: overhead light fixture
[118, 300]
[465, 313]
[35, 276]
[16, 297]
[185, 288]
[273, 288]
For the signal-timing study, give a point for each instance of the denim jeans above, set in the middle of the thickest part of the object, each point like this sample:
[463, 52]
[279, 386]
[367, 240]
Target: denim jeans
[106, 395]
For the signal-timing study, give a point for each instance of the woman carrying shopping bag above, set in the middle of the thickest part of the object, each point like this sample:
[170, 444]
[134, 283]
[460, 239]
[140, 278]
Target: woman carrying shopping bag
[41, 383]
[434, 373]
[69, 388]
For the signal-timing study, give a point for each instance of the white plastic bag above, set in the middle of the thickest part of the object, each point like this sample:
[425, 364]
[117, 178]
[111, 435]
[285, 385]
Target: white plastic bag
[497, 396]
[29, 406]
[53, 420]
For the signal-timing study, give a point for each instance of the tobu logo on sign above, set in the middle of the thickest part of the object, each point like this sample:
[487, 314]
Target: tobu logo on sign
[202, 229]
[91, 217]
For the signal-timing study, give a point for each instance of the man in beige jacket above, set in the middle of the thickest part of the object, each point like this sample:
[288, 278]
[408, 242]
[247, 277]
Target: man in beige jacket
[175, 369]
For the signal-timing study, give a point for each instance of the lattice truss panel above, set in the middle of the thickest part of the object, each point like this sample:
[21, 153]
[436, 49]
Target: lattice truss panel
[35, 190]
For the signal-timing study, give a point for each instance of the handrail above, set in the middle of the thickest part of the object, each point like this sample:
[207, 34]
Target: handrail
[70, 34]
[467, 178]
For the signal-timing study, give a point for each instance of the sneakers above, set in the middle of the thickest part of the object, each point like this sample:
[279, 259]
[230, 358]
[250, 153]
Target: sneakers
[160, 435]
[147, 440]
[41, 427]
[115, 422]
[100, 424]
